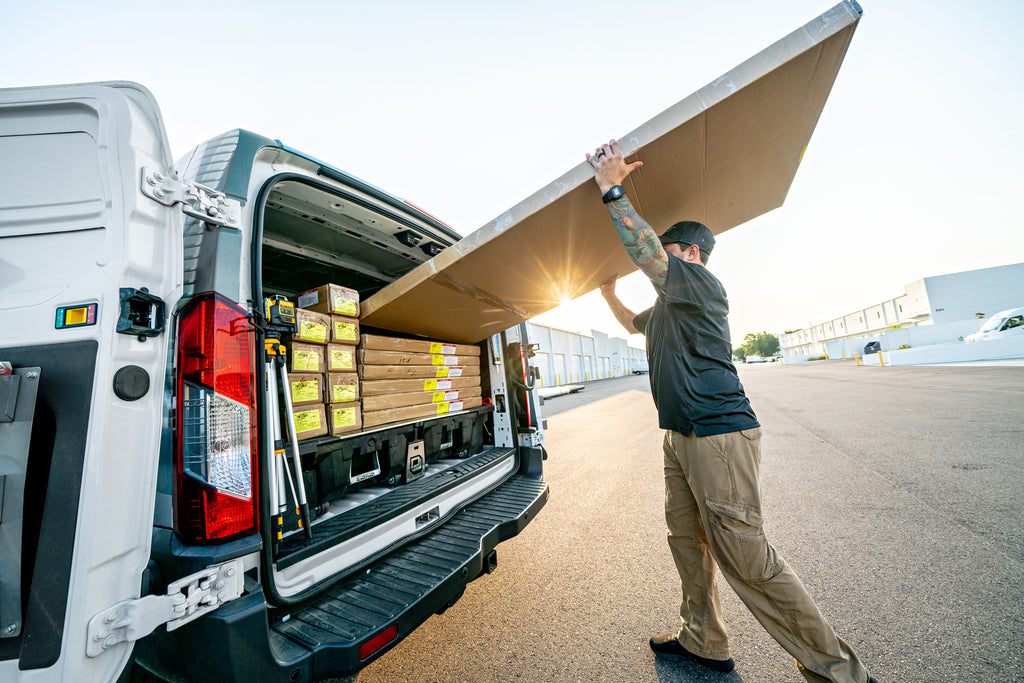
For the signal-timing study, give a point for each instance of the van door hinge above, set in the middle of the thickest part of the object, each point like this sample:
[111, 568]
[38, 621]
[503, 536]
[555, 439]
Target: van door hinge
[186, 599]
[198, 201]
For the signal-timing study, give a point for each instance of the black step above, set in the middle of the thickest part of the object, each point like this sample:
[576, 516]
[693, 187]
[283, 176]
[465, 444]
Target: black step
[353, 522]
[405, 588]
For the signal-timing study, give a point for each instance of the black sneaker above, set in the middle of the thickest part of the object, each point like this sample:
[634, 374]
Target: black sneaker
[667, 647]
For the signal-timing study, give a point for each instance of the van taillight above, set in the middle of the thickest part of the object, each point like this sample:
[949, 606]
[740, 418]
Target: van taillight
[215, 425]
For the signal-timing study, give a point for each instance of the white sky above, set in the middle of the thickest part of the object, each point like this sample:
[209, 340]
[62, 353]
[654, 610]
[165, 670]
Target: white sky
[465, 108]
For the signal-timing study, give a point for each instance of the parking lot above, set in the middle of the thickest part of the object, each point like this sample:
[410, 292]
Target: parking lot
[894, 492]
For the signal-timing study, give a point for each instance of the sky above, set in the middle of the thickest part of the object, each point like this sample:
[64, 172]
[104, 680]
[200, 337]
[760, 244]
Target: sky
[466, 108]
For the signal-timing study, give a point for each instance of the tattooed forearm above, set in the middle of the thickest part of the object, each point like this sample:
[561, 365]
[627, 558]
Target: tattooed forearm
[640, 241]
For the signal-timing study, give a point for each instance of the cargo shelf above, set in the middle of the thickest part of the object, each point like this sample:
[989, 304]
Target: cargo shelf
[406, 587]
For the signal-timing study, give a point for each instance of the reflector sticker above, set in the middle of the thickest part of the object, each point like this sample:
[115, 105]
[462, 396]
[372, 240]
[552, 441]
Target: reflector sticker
[75, 316]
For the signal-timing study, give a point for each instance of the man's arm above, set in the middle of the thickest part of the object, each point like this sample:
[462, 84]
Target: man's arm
[637, 236]
[622, 314]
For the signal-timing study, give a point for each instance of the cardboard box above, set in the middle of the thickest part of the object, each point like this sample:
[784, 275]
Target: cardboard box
[344, 330]
[331, 299]
[422, 371]
[310, 421]
[735, 145]
[382, 343]
[304, 357]
[379, 417]
[342, 388]
[340, 358]
[376, 387]
[305, 388]
[314, 328]
[374, 357]
[418, 398]
[343, 418]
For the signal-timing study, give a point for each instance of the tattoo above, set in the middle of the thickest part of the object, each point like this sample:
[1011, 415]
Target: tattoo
[640, 241]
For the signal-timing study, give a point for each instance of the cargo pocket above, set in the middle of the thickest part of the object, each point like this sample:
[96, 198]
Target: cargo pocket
[739, 544]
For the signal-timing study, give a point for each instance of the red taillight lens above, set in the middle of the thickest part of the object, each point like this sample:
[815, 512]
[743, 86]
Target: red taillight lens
[215, 428]
[378, 641]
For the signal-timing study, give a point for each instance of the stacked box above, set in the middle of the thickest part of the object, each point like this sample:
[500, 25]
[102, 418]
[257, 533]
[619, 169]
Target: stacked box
[305, 388]
[303, 357]
[343, 418]
[313, 328]
[405, 379]
[342, 387]
[310, 421]
[331, 299]
[344, 330]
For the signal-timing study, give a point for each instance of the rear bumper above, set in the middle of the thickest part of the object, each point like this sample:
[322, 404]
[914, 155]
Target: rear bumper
[323, 637]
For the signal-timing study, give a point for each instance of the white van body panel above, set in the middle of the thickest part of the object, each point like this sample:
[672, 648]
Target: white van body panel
[74, 229]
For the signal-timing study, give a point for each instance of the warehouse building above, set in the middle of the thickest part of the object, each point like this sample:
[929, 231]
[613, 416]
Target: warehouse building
[570, 357]
[932, 310]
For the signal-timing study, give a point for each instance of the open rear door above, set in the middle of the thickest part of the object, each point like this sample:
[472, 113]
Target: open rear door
[90, 268]
[724, 155]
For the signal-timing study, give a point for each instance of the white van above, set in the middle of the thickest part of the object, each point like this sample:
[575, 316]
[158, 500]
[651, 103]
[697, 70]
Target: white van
[1007, 323]
[137, 461]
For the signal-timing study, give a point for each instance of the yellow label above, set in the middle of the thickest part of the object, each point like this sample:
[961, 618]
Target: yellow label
[435, 347]
[344, 417]
[305, 390]
[345, 331]
[343, 393]
[441, 371]
[430, 385]
[307, 421]
[313, 331]
[344, 306]
[442, 408]
[437, 360]
[438, 396]
[342, 359]
[306, 360]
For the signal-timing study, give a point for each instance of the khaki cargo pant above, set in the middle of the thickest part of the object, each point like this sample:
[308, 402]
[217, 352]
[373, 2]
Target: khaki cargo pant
[713, 510]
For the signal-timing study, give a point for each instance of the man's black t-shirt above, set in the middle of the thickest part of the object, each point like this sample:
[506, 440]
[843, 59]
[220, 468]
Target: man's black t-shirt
[693, 380]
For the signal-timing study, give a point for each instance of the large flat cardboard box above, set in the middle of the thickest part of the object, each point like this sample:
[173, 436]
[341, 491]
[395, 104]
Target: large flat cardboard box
[380, 417]
[376, 387]
[344, 330]
[342, 387]
[417, 371]
[313, 328]
[722, 156]
[343, 418]
[305, 388]
[310, 421]
[340, 358]
[374, 357]
[382, 343]
[330, 299]
[418, 398]
[303, 357]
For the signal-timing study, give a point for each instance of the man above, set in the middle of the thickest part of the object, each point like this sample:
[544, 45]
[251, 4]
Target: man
[712, 451]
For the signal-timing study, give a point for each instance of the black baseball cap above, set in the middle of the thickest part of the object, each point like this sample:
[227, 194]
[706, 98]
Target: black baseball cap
[690, 232]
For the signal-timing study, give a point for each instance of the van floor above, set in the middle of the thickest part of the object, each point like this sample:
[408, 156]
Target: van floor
[367, 508]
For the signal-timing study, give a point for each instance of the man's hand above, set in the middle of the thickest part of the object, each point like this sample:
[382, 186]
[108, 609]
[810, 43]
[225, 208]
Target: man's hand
[608, 289]
[610, 168]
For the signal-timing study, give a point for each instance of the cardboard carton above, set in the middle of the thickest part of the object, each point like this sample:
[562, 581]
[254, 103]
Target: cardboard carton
[382, 343]
[305, 388]
[303, 357]
[343, 418]
[313, 327]
[379, 417]
[374, 357]
[344, 330]
[422, 371]
[330, 299]
[418, 398]
[722, 156]
[342, 388]
[340, 358]
[310, 421]
[378, 387]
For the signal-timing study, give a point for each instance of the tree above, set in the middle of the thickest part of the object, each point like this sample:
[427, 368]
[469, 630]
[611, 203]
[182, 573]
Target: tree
[762, 344]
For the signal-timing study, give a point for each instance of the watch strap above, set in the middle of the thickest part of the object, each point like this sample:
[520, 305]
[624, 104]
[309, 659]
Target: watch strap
[613, 193]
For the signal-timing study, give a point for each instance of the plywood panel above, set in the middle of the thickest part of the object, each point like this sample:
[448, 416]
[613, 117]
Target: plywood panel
[724, 155]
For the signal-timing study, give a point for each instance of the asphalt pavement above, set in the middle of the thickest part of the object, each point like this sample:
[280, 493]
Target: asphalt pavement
[894, 492]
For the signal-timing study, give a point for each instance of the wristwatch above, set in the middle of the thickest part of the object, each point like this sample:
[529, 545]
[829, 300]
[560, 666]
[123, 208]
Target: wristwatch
[614, 193]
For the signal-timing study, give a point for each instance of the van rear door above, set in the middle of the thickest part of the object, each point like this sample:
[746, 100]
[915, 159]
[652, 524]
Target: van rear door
[90, 268]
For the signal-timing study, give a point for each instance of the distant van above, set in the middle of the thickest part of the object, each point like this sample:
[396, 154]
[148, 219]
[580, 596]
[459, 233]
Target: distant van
[1009, 323]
